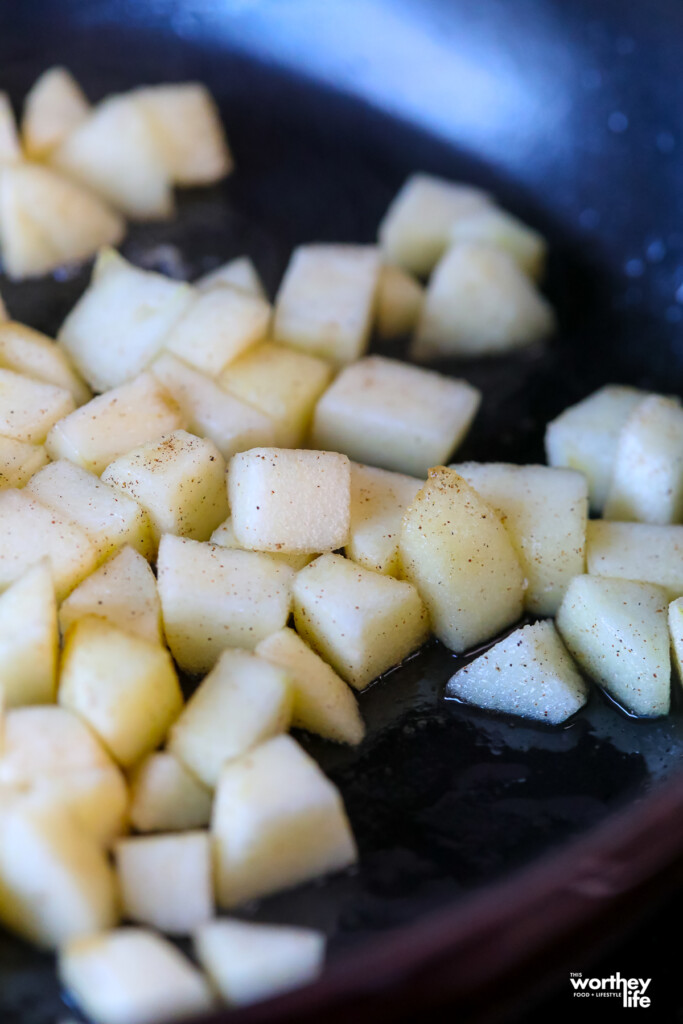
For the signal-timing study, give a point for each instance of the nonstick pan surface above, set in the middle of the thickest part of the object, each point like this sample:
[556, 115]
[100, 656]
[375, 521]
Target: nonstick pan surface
[571, 114]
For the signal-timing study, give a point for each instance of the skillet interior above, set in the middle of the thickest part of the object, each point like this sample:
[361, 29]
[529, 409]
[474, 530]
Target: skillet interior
[443, 798]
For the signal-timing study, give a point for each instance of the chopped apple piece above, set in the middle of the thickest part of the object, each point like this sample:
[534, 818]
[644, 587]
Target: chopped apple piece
[10, 149]
[322, 702]
[29, 531]
[529, 673]
[110, 519]
[19, 460]
[133, 976]
[47, 221]
[501, 230]
[290, 499]
[617, 631]
[123, 592]
[676, 633]
[166, 797]
[166, 881]
[124, 687]
[232, 425]
[29, 639]
[416, 228]
[53, 108]
[29, 408]
[113, 152]
[544, 511]
[111, 424]
[277, 822]
[456, 551]
[585, 436]
[325, 302]
[378, 501]
[178, 480]
[224, 536]
[55, 881]
[647, 474]
[479, 303]
[121, 321]
[186, 127]
[283, 384]
[27, 351]
[359, 621]
[50, 755]
[392, 415]
[637, 551]
[217, 327]
[243, 701]
[238, 273]
[399, 301]
[248, 962]
[213, 598]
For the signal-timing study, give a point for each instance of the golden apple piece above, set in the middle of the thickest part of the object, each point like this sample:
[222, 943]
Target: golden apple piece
[166, 797]
[238, 273]
[399, 301]
[326, 299]
[29, 639]
[379, 500]
[292, 500]
[19, 460]
[224, 536]
[499, 229]
[124, 687]
[53, 108]
[637, 551]
[35, 355]
[277, 822]
[10, 148]
[29, 408]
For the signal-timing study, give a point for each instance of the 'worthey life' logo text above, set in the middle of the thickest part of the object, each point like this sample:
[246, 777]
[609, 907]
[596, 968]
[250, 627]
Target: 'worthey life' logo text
[632, 991]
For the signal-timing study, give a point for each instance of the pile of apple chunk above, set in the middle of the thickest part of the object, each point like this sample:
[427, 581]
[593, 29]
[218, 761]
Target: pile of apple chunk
[74, 171]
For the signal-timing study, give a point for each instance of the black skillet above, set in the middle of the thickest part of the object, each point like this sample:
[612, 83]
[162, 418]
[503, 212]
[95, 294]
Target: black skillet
[471, 887]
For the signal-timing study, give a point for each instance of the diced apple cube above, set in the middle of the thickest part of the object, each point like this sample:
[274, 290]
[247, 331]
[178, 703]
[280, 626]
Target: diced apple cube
[322, 702]
[359, 621]
[232, 425]
[186, 127]
[224, 536]
[501, 230]
[544, 511]
[325, 302]
[29, 531]
[112, 424]
[178, 480]
[47, 221]
[54, 107]
[399, 302]
[29, 639]
[19, 460]
[121, 321]
[133, 976]
[113, 152]
[217, 327]
[10, 149]
[110, 519]
[277, 822]
[29, 408]
[55, 881]
[243, 701]
[248, 962]
[479, 303]
[166, 880]
[50, 755]
[281, 382]
[676, 633]
[29, 352]
[166, 797]
[617, 630]
[585, 436]
[124, 687]
[637, 551]
[378, 501]
[123, 591]
[529, 673]
[290, 499]
[647, 475]
[456, 551]
[238, 273]
[416, 228]
[213, 598]
[386, 413]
